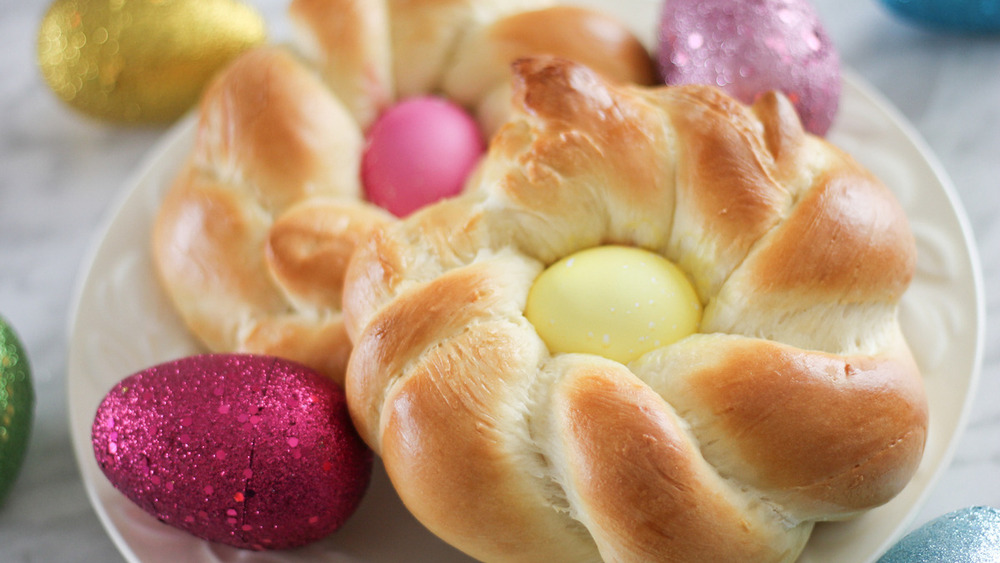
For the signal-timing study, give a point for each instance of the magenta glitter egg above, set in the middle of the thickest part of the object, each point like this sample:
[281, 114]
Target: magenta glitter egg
[748, 47]
[250, 451]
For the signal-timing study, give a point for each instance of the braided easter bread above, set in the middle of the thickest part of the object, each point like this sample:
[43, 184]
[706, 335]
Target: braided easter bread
[796, 401]
[252, 239]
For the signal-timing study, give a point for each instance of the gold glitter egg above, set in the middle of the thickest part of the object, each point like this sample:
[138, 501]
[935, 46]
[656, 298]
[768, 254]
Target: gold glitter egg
[141, 61]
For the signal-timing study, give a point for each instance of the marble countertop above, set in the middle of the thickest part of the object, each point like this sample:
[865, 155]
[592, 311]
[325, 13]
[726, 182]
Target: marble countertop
[61, 173]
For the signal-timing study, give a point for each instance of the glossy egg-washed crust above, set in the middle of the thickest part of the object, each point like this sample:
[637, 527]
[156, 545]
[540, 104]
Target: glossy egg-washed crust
[252, 239]
[797, 401]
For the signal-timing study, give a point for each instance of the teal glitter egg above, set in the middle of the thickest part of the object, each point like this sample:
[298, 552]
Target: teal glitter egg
[17, 406]
[963, 16]
[969, 535]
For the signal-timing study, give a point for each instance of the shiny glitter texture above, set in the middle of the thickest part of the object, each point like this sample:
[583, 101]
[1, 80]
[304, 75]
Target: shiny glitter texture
[967, 16]
[140, 61]
[17, 406]
[250, 451]
[969, 535]
[748, 47]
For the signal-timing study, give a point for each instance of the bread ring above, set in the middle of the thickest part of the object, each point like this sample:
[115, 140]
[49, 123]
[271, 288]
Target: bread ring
[251, 242]
[797, 401]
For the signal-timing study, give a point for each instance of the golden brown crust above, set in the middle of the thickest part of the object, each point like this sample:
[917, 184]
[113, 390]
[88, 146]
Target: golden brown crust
[218, 261]
[348, 40]
[480, 75]
[567, 167]
[477, 420]
[269, 125]
[321, 344]
[865, 252]
[425, 36]
[822, 435]
[309, 246]
[262, 200]
[414, 321]
[618, 56]
[725, 182]
[648, 495]
[798, 402]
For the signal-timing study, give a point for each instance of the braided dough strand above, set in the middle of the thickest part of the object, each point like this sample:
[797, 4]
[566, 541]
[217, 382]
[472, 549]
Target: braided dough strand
[252, 240]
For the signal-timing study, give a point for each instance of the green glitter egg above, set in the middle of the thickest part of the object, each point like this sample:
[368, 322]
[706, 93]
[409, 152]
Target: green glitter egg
[17, 406]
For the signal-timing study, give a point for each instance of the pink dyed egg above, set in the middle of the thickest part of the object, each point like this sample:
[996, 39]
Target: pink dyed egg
[250, 451]
[750, 47]
[419, 151]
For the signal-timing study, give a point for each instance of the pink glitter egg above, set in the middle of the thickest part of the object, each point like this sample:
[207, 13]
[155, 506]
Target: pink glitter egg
[250, 451]
[748, 47]
[419, 151]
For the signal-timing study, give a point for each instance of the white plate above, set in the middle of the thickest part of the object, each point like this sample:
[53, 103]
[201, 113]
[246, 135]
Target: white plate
[122, 323]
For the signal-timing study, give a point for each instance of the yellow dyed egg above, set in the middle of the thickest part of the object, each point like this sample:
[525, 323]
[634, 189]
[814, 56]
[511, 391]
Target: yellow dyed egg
[141, 61]
[614, 301]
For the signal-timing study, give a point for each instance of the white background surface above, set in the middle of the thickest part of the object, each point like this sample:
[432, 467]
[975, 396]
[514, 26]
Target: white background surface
[59, 173]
